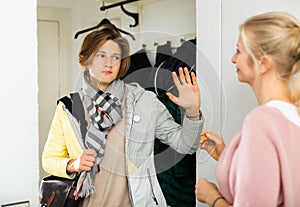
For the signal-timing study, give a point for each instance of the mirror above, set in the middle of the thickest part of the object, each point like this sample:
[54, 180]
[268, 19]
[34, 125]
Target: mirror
[160, 22]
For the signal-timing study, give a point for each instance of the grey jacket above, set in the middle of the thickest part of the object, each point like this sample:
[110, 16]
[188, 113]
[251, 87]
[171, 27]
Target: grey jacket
[147, 118]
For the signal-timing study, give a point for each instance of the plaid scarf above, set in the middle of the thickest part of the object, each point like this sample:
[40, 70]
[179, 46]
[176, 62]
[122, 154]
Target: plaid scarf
[105, 110]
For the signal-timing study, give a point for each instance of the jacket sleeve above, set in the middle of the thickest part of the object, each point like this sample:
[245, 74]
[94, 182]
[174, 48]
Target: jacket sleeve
[55, 154]
[182, 138]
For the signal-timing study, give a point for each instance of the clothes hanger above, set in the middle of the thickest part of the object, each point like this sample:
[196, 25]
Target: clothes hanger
[104, 21]
[135, 16]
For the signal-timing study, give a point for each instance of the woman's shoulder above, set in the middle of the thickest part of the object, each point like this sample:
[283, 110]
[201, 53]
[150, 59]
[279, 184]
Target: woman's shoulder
[268, 120]
[261, 112]
[264, 114]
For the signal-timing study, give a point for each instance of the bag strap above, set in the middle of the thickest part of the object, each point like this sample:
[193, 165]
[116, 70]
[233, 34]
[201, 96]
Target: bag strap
[75, 106]
[79, 114]
[67, 102]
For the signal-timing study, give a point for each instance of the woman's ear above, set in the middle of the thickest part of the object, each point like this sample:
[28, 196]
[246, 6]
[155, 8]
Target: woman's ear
[265, 64]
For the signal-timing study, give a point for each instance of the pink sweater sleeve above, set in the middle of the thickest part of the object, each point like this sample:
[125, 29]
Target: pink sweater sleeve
[253, 170]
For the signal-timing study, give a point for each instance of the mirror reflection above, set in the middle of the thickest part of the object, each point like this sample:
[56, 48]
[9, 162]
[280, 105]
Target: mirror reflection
[161, 35]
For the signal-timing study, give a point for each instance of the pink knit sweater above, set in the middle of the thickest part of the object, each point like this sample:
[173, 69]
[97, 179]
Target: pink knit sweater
[260, 167]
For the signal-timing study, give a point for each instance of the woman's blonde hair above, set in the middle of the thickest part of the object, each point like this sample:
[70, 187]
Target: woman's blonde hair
[94, 40]
[276, 34]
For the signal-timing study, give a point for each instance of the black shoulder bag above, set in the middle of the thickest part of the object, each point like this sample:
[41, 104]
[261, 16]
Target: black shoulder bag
[57, 191]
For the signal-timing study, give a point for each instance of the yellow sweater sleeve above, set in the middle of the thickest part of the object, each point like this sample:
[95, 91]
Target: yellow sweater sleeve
[61, 145]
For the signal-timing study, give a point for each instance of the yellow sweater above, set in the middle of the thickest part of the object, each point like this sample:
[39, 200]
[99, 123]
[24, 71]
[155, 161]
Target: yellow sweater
[62, 144]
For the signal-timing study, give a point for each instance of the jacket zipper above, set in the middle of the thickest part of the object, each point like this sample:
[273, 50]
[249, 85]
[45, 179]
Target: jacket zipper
[151, 186]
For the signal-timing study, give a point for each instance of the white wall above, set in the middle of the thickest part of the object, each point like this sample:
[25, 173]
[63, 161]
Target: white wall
[18, 106]
[209, 76]
[169, 16]
[217, 33]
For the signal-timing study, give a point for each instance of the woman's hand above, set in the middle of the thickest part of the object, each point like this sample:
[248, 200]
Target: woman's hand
[189, 92]
[212, 143]
[84, 162]
[206, 191]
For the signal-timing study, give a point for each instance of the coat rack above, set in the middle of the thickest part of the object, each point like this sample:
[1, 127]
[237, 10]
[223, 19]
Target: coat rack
[135, 16]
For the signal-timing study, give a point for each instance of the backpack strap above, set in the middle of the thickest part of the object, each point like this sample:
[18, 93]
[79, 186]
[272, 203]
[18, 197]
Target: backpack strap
[75, 106]
[67, 102]
[79, 114]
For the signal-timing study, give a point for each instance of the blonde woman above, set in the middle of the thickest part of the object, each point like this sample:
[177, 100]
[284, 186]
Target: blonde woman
[260, 166]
